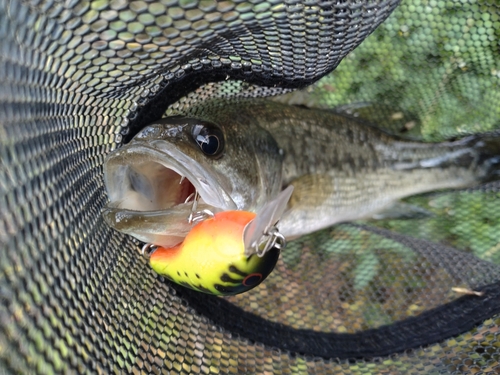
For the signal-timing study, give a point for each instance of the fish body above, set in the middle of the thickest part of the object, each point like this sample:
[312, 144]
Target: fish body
[212, 257]
[240, 154]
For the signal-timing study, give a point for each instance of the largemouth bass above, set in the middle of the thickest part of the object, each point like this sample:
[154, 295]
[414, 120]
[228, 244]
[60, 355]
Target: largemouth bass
[238, 155]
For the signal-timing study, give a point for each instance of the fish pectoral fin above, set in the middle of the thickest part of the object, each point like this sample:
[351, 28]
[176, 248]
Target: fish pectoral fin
[402, 211]
[311, 206]
[311, 190]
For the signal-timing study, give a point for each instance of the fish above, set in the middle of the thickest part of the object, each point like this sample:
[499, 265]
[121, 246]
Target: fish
[240, 154]
[213, 259]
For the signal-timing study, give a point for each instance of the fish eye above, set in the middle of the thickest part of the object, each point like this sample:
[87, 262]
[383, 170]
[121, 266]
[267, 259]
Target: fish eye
[209, 138]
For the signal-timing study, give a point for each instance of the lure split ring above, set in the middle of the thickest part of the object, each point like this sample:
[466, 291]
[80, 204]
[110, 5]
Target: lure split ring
[148, 249]
[272, 238]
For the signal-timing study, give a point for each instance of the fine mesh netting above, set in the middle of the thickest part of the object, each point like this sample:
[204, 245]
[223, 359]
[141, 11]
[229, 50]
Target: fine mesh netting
[393, 296]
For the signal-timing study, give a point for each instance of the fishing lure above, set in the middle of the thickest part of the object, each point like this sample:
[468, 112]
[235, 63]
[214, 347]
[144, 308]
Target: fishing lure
[212, 258]
[226, 253]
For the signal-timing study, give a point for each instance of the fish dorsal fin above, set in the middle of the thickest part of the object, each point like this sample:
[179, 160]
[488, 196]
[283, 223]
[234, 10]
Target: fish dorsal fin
[265, 219]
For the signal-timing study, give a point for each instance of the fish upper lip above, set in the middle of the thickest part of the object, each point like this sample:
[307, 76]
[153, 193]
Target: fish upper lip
[206, 184]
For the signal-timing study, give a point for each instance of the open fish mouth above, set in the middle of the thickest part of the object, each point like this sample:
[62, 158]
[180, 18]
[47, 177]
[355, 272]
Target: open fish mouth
[150, 178]
[155, 188]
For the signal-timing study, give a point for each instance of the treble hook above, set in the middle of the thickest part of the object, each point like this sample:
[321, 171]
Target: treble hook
[271, 238]
[196, 216]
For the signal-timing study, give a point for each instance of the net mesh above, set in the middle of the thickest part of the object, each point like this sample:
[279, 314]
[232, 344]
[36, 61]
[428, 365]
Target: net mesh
[78, 78]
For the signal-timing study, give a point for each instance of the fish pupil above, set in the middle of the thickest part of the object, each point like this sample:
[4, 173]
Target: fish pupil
[209, 138]
[209, 144]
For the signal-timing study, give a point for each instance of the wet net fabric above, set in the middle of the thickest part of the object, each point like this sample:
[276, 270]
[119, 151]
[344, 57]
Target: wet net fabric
[77, 79]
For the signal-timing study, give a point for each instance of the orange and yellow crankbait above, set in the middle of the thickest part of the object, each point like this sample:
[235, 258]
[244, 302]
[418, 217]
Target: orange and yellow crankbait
[212, 257]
